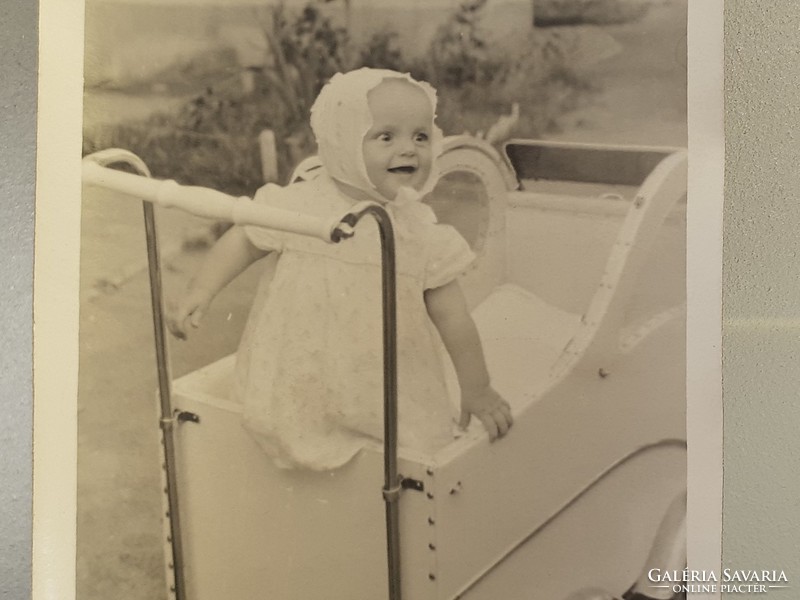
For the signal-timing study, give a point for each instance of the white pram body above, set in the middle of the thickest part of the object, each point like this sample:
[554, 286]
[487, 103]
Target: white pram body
[579, 296]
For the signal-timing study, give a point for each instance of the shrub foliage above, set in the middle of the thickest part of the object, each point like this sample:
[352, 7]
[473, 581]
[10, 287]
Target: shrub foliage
[212, 141]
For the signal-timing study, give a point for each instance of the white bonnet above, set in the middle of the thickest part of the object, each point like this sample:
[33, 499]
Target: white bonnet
[340, 118]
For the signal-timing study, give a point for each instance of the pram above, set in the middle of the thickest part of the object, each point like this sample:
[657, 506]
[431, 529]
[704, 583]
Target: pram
[578, 296]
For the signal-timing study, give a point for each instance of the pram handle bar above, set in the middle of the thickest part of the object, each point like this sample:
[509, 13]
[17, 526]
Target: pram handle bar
[205, 202]
[208, 203]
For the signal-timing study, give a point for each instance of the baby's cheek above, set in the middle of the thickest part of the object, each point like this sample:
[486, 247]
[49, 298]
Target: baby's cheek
[424, 173]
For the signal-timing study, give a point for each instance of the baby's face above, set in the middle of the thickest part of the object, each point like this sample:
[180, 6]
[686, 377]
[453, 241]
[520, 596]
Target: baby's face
[397, 148]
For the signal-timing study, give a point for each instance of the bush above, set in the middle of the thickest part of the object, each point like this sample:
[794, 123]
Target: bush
[459, 52]
[229, 163]
[304, 52]
[213, 139]
[548, 13]
[477, 81]
[382, 51]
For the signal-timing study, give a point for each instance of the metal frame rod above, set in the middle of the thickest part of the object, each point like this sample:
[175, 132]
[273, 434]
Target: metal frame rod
[98, 160]
[392, 487]
[165, 396]
[333, 231]
[203, 202]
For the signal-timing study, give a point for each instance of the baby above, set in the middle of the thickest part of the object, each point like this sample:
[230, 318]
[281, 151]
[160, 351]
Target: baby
[309, 368]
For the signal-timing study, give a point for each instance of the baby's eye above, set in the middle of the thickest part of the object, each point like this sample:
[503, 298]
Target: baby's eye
[421, 137]
[385, 137]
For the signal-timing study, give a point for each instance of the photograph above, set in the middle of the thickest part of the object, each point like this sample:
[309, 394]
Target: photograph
[383, 300]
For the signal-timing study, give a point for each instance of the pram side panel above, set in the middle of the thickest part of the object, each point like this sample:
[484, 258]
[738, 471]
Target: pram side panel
[565, 440]
[253, 531]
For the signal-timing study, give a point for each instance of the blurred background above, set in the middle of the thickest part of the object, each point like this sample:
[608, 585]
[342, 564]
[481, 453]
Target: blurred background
[179, 81]
[188, 85]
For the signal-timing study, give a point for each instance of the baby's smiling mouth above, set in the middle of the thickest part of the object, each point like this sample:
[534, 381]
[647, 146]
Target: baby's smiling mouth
[406, 169]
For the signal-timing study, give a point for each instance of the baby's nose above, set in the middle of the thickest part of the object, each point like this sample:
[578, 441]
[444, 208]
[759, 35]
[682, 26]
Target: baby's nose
[407, 147]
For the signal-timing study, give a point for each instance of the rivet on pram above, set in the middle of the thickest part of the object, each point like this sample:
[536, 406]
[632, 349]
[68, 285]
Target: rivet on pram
[431, 576]
[432, 546]
[431, 521]
[603, 373]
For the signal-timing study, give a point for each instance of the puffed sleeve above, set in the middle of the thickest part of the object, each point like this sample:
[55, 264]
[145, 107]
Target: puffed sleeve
[261, 237]
[449, 256]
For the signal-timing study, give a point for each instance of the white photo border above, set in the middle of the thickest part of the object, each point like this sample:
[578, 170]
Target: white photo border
[57, 268]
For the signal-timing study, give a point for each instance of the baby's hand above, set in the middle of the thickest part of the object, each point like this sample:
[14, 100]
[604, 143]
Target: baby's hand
[490, 408]
[188, 313]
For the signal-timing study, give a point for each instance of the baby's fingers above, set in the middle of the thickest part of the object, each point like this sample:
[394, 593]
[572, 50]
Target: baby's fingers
[489, 423]
[179, 320]
[176, 328]
[174, 322]
[196, 317]
[464, 419]
[497, 420]
[502, 416]
[505, 410]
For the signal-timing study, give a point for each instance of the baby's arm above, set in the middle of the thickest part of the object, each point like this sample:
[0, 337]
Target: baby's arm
[231, 255]
[448, 311]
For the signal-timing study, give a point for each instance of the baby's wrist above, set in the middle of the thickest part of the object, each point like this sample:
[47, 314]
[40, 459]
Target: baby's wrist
[475, 390]
[200, 291]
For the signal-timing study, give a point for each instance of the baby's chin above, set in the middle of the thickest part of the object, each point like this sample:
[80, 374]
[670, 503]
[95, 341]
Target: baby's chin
[405, 193]
[414, 184]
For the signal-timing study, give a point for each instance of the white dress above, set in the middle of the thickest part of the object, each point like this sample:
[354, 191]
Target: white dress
[310, 364]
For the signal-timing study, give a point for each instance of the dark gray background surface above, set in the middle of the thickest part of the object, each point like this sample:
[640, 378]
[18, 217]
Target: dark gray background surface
[761, 274]
[18, 44]
[761, 375]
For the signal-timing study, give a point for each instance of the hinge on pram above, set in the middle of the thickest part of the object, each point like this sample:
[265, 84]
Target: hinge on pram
[184, 415]
[407, 483]
[181, 416]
